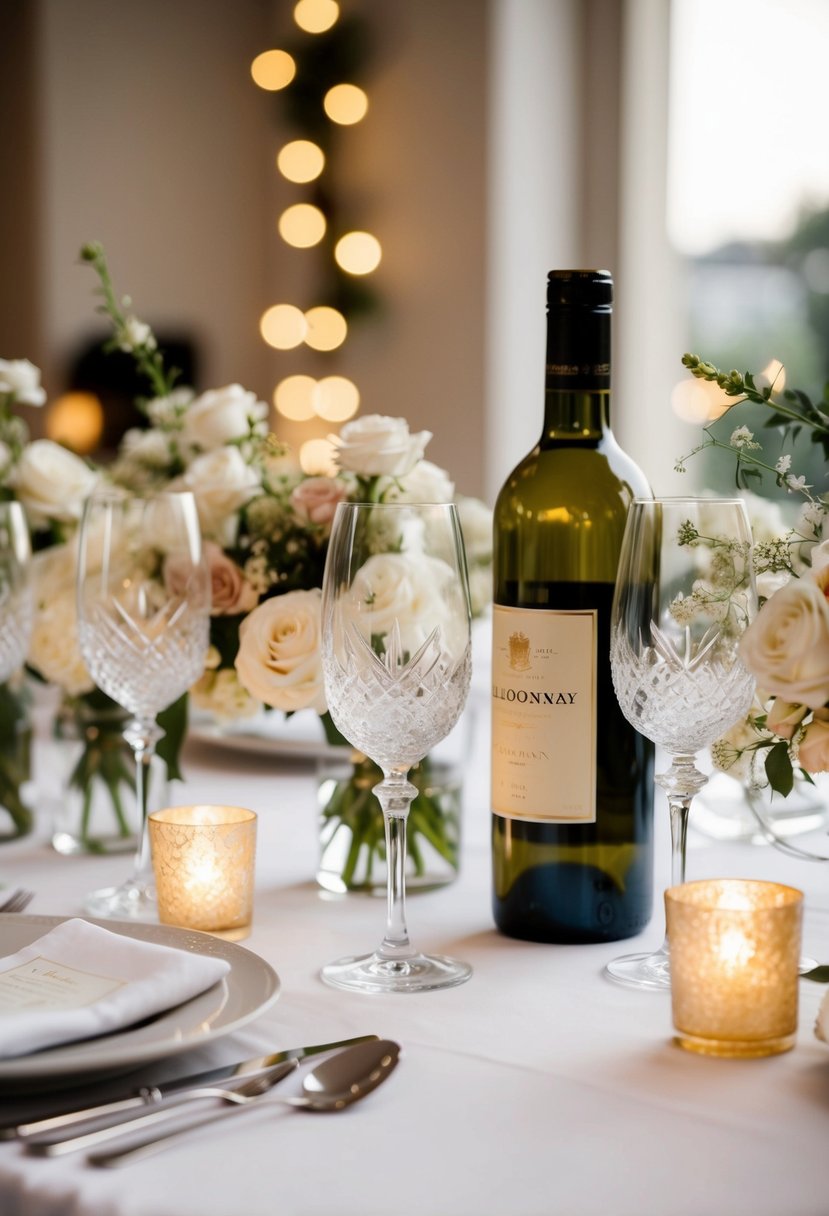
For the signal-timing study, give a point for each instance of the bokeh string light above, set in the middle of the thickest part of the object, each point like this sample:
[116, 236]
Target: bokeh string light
[320, 97]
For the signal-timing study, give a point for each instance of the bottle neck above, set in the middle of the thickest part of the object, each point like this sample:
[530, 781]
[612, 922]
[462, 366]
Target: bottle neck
[577, 385]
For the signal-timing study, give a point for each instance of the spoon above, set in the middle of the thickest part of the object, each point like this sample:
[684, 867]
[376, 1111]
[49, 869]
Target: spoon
[331, 1086]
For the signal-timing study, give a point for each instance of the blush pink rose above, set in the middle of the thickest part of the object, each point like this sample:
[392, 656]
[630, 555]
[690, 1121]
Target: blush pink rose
[316, 499]
[784, 718]
[231, 593]
[813, 750]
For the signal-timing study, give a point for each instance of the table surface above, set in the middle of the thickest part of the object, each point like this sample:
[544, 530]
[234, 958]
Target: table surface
[538, 1087]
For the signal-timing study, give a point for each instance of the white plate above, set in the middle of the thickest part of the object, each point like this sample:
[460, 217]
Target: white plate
[270, 734]
[246, 991]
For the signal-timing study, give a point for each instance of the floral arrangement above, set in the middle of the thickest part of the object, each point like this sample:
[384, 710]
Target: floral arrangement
[266, 523]
[786, 647]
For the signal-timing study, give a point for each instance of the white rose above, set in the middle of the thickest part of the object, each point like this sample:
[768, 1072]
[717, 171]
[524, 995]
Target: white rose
[167, 411]
[52, 483]
[820, 557]
[53, 647]
[22, 379]
[425, 483]
[221, 483]
[476, 526]
[376, 445]
[279, 660]
[786, 647]
[150, 447]
[413, 590]
[221, 415]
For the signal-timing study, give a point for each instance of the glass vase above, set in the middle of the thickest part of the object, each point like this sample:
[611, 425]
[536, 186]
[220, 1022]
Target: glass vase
[352, 838]
[95, 809]
[16, 817]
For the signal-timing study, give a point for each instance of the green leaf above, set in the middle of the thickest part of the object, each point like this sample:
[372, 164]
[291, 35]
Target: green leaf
[779, 769]
[173, 721]
[820, 975]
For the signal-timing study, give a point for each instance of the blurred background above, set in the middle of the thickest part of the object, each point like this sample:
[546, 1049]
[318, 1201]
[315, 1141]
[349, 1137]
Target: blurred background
[679, 143]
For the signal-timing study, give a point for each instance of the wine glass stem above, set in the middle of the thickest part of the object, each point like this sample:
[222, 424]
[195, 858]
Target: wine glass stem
[681, 782]
[143, 734]
[679, 808]
[395, 794]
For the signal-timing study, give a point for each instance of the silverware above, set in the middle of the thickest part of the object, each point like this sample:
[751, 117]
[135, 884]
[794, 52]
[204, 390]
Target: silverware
[17, 900]
[332, 1086]
[52, 1119]
[46, 1145]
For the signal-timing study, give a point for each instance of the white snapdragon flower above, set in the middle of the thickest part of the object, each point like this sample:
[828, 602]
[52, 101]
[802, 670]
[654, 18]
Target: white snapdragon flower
[22, 379]
[136, 334]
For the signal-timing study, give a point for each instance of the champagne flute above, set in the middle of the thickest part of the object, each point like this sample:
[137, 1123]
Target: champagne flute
[684, 597]
[396, 661]
[143, 625]
[16, 603]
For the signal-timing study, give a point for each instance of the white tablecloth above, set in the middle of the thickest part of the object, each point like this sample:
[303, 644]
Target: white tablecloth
[536, 1088]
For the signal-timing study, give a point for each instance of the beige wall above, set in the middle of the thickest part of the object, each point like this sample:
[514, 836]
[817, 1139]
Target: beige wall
[151, 137]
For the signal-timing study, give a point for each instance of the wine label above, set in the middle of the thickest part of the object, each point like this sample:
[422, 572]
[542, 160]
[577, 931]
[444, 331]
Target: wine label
[544, 714]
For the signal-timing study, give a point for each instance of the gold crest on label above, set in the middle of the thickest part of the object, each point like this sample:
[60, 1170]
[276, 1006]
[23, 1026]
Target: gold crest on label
[519, 652]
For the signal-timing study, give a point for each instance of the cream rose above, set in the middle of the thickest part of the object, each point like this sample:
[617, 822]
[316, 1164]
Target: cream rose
[52, 483]
[53, 646]
[376, 445]
[316, 499]
[279, 660]
[786, 647]
[221, 694]
[221, 483]
[221, 415]
[813, 749]
[22, 379]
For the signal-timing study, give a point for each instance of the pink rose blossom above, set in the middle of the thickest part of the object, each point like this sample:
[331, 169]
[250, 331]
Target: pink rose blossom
[316, 499]
[813, 750]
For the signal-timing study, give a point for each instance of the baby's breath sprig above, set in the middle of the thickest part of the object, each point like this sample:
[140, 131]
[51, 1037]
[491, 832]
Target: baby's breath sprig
[130, 334]
[790, 415]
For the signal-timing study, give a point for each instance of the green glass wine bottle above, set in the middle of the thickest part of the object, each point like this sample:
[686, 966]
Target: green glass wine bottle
[572, 782]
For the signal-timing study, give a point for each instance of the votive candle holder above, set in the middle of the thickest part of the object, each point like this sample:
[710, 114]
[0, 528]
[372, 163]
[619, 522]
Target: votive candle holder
[204, 860]
[735, 953]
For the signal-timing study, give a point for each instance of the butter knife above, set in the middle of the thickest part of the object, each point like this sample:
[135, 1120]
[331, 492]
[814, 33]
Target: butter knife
[150, 1095]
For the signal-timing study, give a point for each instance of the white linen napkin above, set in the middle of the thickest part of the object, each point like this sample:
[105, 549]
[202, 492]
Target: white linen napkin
[80, 980]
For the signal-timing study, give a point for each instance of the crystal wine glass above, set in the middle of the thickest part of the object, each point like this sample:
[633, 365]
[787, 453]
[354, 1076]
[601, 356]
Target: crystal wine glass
[684, 597]
[143, 622]
[396, 660]
[16, 605]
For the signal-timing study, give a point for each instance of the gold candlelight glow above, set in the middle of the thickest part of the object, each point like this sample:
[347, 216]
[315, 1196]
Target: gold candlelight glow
[203, 861]
[735, 951]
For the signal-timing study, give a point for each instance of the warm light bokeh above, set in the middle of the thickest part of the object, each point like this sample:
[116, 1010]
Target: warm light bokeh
[294, 398]
[317, 458]
[358, 252]
[300, 161]
[302, 225]
[316, 16]
[77, 421]
[337, 398]
[283, 326]
[273, 70]
[345, 104]
[326, 328]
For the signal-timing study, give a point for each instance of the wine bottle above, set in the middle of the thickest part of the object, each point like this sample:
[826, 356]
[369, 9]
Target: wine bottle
[572, 782]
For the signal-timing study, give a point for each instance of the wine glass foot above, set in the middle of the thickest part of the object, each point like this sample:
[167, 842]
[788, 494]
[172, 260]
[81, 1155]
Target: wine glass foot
[649, 971]
[131, 901]
[373, 973]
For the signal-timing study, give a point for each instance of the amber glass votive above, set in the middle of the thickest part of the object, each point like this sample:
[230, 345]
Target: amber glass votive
[203, 860]
[735, 951]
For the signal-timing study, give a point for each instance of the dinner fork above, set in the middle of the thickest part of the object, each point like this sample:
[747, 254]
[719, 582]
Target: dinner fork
[17, 900]
[49, 1144]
